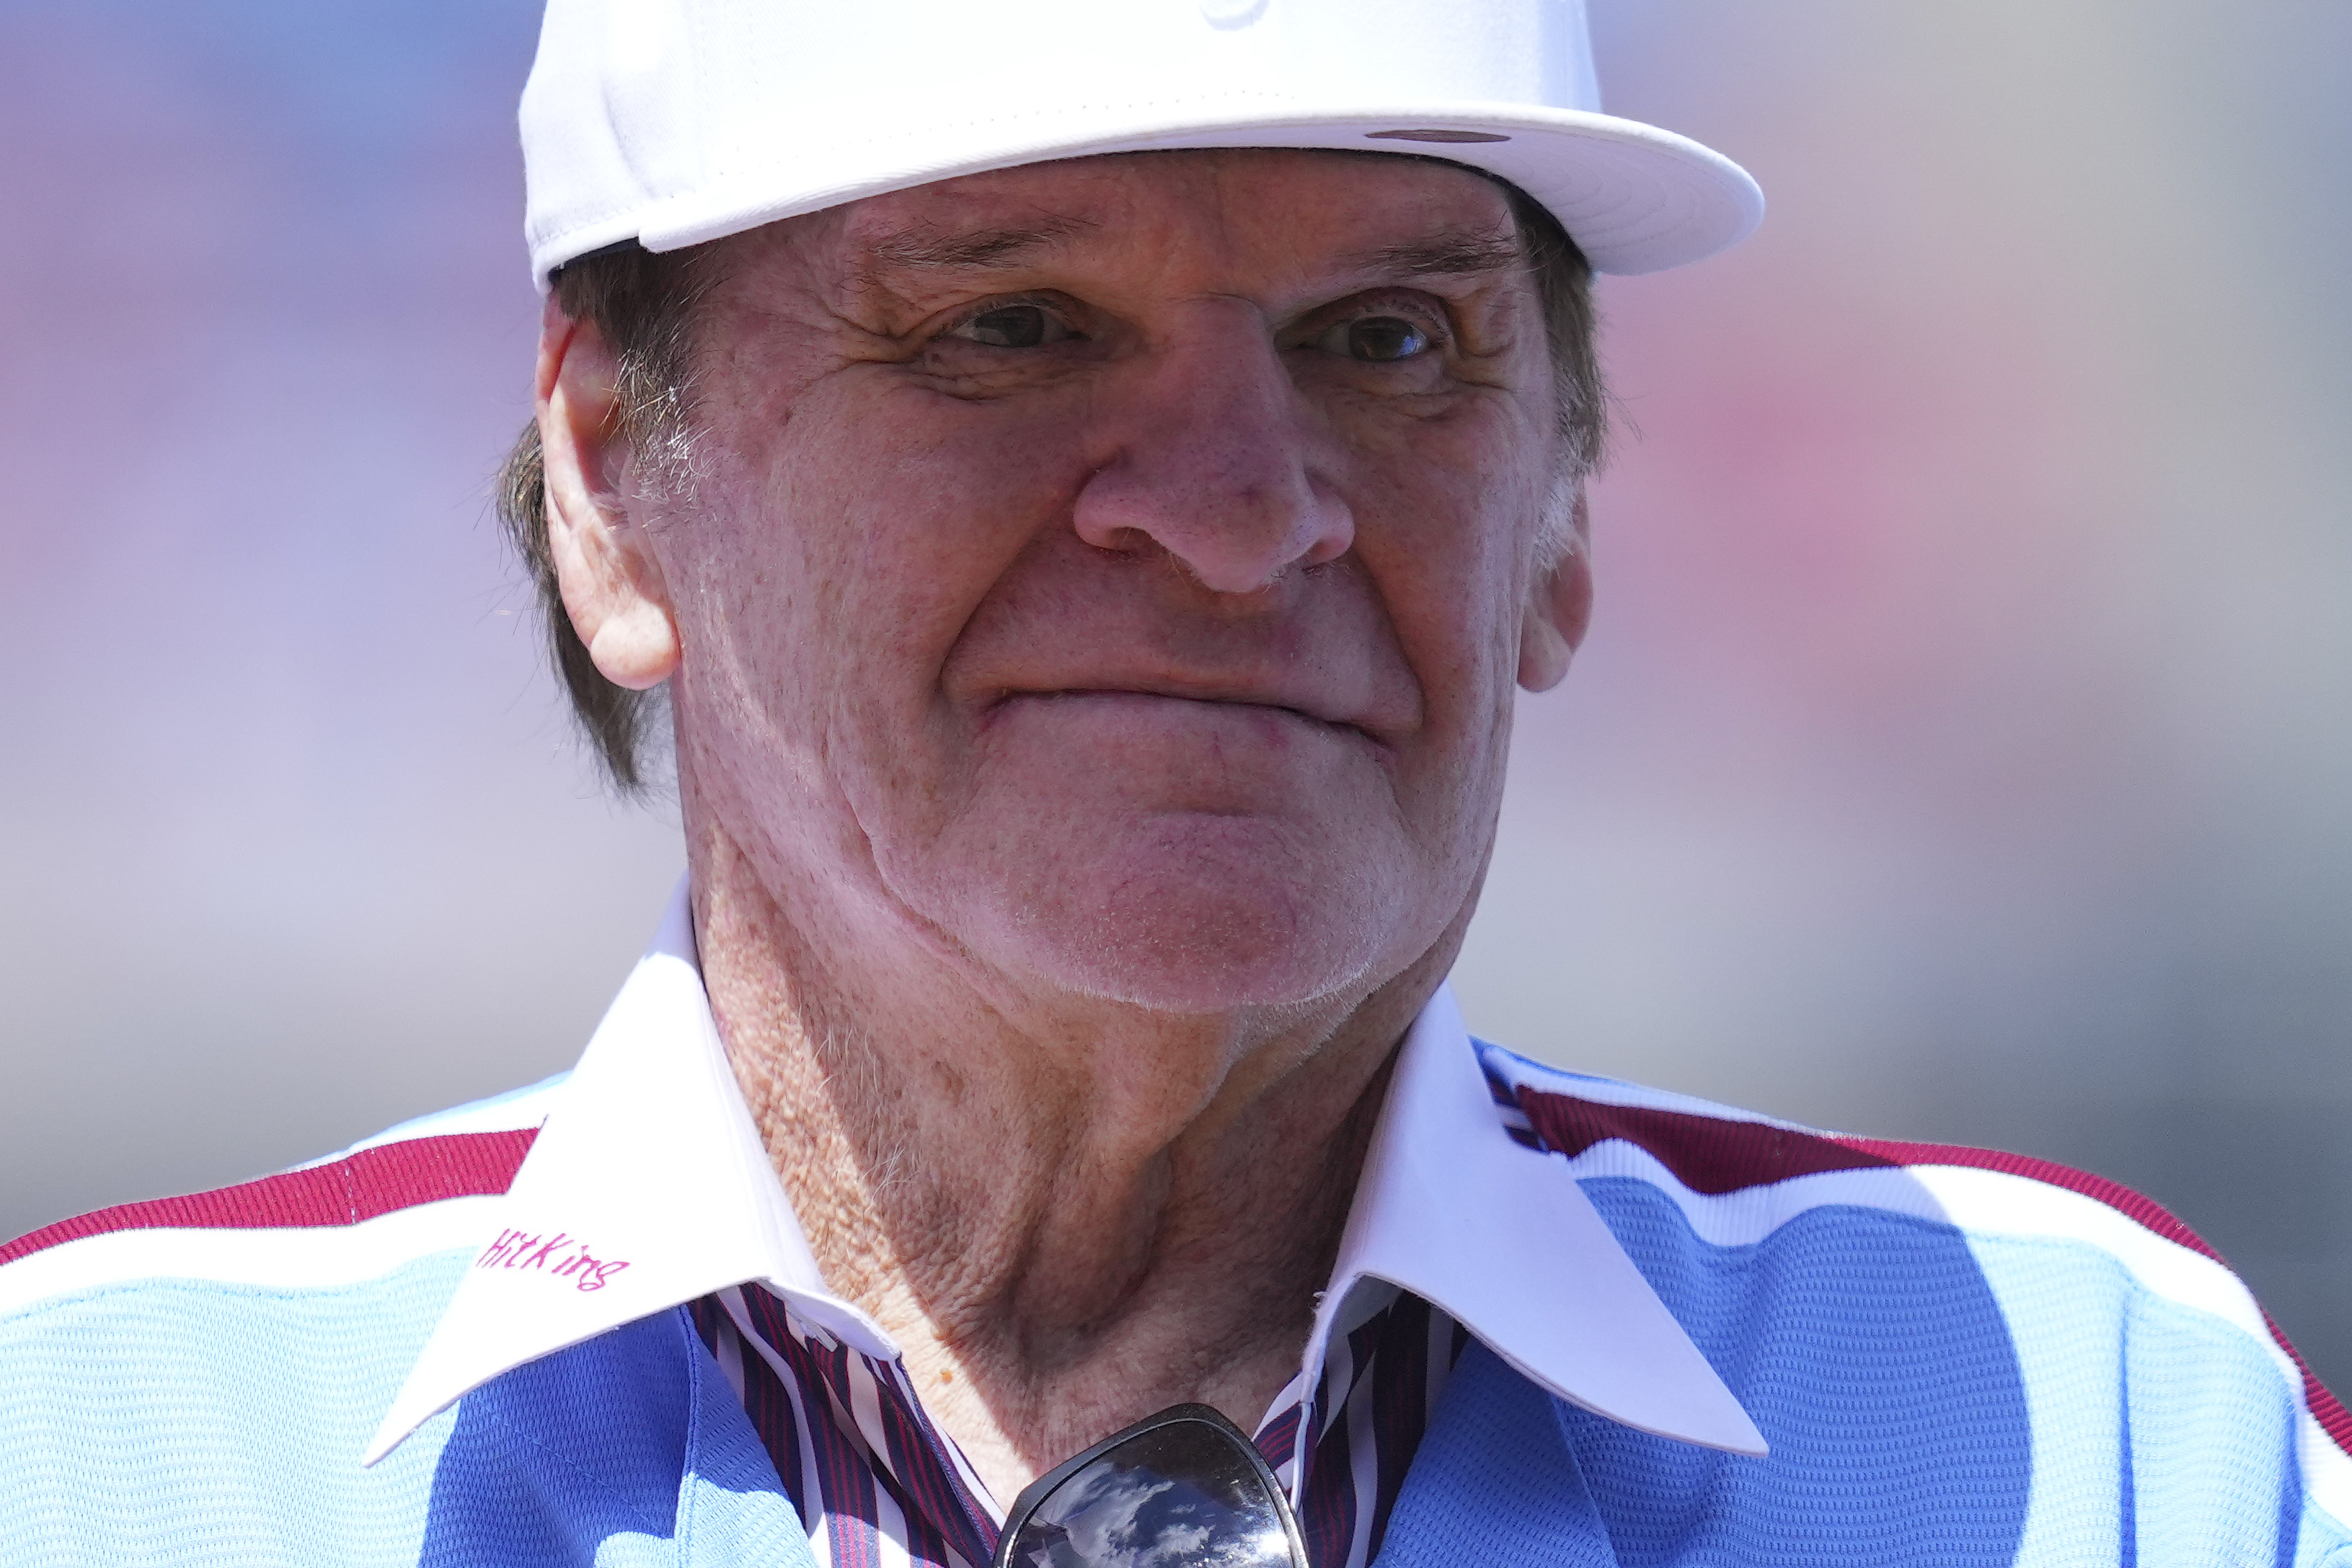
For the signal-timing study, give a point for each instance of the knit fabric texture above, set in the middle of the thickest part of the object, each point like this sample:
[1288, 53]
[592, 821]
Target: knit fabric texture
[1954, 1365]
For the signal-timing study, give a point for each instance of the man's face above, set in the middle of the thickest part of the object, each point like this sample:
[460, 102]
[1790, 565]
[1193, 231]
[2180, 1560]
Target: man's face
[1115, 571]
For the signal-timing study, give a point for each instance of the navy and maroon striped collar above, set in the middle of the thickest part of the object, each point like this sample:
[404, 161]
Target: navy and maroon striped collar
[648, 1188]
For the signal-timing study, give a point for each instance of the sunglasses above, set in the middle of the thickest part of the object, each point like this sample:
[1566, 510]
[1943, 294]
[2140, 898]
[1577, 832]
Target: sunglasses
[1184, 1489]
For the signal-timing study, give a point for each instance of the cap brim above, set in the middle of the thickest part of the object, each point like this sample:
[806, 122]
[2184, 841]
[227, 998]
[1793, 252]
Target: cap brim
[1633, 197]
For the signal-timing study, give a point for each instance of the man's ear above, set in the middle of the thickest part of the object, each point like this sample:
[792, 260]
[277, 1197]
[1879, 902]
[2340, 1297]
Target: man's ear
[611, 582]
[1560, 600]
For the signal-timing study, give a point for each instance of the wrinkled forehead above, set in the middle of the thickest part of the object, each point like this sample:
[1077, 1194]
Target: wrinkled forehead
[1314, 218]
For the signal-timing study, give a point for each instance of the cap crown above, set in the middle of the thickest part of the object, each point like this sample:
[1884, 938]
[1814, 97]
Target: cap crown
[673, 122]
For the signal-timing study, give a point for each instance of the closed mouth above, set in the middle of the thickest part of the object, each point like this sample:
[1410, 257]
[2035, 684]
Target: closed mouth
[1132, 693]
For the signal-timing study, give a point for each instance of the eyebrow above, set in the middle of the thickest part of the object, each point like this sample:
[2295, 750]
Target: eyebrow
[927, 248]
[1453, 253]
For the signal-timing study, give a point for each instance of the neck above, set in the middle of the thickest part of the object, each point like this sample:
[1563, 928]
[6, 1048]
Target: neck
[1067, 1213]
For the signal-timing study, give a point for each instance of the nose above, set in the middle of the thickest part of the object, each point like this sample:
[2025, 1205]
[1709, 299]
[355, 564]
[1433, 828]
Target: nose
[1211, 456]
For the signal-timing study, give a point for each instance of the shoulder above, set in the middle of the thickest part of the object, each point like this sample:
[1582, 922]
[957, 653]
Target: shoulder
[1927, 1281]
[1736, 1179]
[1738, 1174]
[209, 1367]
[403, 1193]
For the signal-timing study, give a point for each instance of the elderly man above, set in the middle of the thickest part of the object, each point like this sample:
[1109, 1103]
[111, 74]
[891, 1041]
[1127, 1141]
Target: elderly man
[1090, 489]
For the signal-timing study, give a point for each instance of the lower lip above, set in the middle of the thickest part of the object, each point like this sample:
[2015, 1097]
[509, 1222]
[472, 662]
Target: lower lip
[1206, 718]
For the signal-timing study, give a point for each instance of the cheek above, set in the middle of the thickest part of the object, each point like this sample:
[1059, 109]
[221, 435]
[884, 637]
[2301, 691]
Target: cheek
[1449, 545]
[837, 557]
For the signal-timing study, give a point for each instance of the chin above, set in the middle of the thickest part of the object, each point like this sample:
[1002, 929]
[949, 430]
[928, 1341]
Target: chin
[1191, 972]
[1224, 915]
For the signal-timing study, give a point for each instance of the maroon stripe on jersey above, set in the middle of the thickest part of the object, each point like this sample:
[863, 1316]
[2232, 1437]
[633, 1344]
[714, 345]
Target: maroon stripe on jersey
[2325, 1407]
[1714, 1156]
[363, 1186]
[1707, 1153]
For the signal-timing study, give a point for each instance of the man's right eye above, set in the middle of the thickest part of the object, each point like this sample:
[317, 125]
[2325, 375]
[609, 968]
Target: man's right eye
[1013, 327]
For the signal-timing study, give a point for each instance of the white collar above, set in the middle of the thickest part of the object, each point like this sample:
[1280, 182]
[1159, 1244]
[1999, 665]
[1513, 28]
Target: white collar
[648, 1186]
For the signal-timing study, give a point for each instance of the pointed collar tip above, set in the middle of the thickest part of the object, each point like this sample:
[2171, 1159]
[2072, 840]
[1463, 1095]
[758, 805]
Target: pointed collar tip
[1727, 1427]
[389, 1437]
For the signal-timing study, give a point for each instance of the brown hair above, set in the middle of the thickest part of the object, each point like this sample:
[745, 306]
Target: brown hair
[643, 304]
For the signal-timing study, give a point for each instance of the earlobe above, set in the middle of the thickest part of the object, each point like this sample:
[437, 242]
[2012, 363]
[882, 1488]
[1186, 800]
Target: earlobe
[612, 579]
[1559, 603]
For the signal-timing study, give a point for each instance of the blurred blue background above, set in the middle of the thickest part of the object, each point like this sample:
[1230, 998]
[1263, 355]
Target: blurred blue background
[1964, 750]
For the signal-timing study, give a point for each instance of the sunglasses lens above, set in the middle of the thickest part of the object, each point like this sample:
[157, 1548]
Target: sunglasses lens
[1178, 1496]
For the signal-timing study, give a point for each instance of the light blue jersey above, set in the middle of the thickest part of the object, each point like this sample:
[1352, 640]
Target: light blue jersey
[1700, 1337]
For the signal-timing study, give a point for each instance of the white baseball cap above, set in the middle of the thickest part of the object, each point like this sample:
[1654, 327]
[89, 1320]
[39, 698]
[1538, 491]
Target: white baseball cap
[675, 121]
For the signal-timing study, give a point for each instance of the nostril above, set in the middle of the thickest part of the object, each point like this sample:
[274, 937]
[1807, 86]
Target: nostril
[1116, 540]
[1235, 541]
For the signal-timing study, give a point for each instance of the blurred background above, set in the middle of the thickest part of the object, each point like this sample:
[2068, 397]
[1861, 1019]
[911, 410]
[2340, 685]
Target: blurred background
[1963, 751]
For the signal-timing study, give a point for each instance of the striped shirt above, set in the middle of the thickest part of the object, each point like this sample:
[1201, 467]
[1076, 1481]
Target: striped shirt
[878, 1485]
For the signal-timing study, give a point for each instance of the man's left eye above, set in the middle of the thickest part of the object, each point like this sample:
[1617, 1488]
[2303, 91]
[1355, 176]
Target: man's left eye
[1378, 340]
[1013, 327]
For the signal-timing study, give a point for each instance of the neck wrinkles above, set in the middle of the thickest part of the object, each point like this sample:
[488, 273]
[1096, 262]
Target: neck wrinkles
[1070, 1216]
